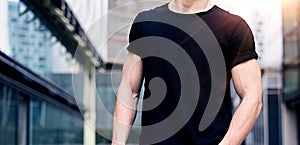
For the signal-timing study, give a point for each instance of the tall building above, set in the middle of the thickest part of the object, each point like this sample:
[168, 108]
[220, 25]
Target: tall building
[4, 46]
[291, 72]
[33, 110]
[29, 44]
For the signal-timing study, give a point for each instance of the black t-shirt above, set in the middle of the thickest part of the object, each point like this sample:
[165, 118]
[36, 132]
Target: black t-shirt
[236, 42]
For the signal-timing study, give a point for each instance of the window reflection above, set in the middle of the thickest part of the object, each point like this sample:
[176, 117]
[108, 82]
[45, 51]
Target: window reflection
[291, 46]
[33, 46]
[50, 125]
[8, 117]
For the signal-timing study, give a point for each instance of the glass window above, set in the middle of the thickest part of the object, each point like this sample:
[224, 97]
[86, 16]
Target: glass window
[51, 125]
[36, 51]
[291, 46]
[291, 80]
[8, 117]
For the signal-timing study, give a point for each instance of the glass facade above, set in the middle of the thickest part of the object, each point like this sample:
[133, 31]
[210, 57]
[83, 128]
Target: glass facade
[33, 46]
[291, 66]
[37, 103]
[34, 104]
[291, 30]
[43, 124]
[29, 44]
[51, 125]
[9, 115]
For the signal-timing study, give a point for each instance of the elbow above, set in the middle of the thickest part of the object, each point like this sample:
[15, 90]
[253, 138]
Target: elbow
[255, 100]
[258, 104]
[259, 107]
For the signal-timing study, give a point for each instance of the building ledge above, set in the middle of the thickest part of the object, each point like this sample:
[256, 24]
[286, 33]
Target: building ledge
[14, 73]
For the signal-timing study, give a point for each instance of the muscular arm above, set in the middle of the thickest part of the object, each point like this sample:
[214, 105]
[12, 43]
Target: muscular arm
[127, 99]
[246, 78]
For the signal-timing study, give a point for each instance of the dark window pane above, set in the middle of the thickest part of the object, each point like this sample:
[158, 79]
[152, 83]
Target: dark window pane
[50, 125]
[8, 117]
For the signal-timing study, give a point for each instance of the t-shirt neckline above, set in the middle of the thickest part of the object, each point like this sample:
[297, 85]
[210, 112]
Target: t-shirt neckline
[197, 13]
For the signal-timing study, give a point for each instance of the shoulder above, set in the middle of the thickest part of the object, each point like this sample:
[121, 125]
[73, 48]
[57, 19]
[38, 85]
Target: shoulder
[234, 24]
[228, 17]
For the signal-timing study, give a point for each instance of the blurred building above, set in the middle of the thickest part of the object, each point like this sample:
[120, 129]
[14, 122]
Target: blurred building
[4, 46]
[266, 23]
[35, 111]
[29, 41]
[31, 44]
[291, 73]
[276, 28]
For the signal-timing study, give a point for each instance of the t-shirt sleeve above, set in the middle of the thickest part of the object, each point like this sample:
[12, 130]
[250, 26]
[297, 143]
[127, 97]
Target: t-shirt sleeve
[242, 44]
[134, 34]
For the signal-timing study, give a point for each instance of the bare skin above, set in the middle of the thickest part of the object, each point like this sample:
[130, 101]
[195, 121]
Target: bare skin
[127, 99]
[246, 79]
[190, 6]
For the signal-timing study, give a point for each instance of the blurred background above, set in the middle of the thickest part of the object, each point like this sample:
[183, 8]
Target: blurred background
[61, 64]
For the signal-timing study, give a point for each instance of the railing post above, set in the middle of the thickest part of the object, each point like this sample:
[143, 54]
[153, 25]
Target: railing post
[89, 97]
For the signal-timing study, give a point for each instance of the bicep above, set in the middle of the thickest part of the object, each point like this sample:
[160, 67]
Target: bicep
[132, 73]
[246, 78]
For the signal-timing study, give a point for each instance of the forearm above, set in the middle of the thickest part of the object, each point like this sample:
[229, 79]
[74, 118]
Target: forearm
[124, 115]
[123, 120]
[242, 121]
